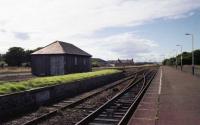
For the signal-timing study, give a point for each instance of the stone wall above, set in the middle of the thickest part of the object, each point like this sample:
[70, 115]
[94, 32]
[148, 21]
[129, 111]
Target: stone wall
[21, 102]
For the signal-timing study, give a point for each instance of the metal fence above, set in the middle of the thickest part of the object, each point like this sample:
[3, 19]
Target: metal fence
[197, 71]
[188, 69]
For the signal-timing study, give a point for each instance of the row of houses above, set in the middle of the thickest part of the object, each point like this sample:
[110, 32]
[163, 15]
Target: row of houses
[60, 58]
[119, 62]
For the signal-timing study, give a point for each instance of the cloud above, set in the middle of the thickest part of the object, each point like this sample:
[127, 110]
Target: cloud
[2, 30]
[49, 20]
[21, 35]
[66, 18]
[124, 45]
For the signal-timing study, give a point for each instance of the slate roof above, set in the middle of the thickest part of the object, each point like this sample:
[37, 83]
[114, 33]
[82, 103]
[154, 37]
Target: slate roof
[125, 61]
[59, 47]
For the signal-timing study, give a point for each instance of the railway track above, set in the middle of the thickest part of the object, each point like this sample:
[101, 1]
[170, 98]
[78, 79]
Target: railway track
[50, 111]
[119, 109]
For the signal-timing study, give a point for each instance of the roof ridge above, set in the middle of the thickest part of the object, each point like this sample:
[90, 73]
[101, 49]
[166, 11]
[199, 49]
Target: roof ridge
[60, 47]
[49, 44]
[60, 43]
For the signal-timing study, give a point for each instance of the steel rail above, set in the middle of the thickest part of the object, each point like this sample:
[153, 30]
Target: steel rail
[54, 112]
[133, 107]
[95, 114]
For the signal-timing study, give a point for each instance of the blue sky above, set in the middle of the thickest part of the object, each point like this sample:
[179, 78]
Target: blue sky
[172, 32]
[110, 29]
[167, 33]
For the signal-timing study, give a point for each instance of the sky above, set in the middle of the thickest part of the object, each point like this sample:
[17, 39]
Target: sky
[145, 30]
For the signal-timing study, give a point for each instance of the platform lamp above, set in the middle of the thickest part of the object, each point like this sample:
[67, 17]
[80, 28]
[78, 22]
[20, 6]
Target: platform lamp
[163, 58]
[174, 55]
[192, 51]
[181, 56]
[176, 59]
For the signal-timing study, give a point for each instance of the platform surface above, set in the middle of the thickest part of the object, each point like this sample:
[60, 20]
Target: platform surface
[178, 102]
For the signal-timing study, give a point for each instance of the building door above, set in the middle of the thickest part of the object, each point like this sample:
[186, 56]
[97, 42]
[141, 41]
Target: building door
[57, 65]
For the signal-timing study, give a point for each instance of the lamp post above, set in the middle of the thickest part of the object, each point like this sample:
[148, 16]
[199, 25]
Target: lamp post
[176, 60]
[192, 51]
[174, 55]
[181, 56]
[163, 59]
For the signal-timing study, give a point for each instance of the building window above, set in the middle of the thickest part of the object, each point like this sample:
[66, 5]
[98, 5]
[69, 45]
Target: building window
[75, 61]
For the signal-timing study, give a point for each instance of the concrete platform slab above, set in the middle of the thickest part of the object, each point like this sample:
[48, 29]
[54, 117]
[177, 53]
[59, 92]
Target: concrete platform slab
[179, 100]
[176, 103]
[142, 121]
[145, 113]
[147, 105]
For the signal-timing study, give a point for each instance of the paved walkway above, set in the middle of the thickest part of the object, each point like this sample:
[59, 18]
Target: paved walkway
[177, 104]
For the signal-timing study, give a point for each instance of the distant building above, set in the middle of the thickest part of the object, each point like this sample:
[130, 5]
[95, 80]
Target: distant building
[60, 58]
[121, 62]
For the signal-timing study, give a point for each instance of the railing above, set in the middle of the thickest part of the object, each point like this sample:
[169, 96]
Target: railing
[188, 69]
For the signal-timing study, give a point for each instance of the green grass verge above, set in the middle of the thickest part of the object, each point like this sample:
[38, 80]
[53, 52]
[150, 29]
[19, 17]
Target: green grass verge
[10, 87]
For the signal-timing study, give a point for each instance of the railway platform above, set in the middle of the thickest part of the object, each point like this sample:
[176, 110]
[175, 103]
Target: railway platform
[173, 98]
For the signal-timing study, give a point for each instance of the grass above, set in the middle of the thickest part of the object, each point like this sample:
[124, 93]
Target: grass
[10, 87]
[1, 82]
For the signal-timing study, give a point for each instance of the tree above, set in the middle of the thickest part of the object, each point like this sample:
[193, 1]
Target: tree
[170, 61]
[1, 58]
[197, 57]
[27, 56]
[187, 58]
[15, 56]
